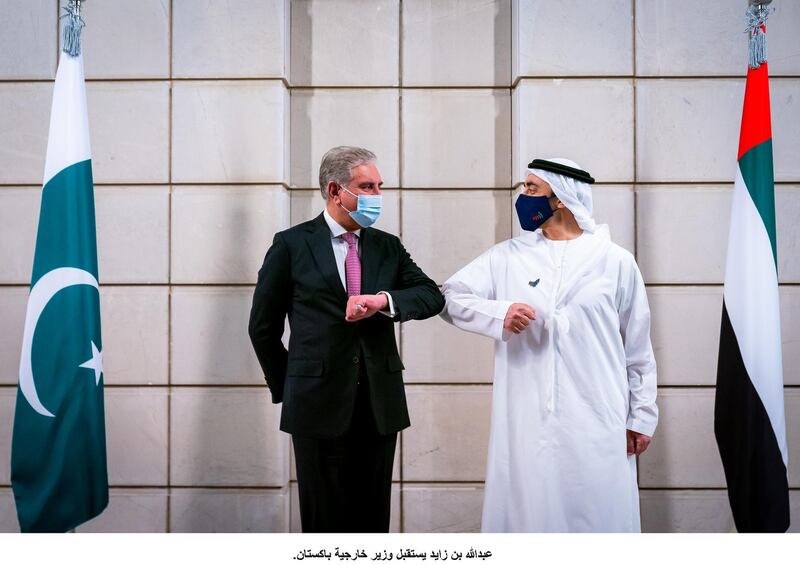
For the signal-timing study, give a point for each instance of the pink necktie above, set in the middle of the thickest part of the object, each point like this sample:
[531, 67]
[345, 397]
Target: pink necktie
[352, 265]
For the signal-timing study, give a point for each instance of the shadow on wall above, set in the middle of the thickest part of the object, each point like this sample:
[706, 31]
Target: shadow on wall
[301, 51]
[300, 74]
[502, 59]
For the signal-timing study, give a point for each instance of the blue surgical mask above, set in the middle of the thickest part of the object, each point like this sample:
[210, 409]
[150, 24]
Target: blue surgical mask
[368, 209]
[533, 211]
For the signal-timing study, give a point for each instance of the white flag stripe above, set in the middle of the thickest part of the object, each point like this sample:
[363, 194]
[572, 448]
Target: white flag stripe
[751, 298]
[68, 119]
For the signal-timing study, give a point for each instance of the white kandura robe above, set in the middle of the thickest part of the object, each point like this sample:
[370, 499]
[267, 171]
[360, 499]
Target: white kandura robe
[566, 388]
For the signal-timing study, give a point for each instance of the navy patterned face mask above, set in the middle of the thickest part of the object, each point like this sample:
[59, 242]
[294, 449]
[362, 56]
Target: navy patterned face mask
[533, 211]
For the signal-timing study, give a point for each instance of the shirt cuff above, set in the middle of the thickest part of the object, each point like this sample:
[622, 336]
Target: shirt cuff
[640, 426]
[391, 313]
[500, 333]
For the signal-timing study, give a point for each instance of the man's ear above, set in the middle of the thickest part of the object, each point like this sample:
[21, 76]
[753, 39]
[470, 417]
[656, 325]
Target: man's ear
[332, 189]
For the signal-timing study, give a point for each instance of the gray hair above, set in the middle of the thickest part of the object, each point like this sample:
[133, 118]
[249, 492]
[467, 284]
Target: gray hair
[338, 164]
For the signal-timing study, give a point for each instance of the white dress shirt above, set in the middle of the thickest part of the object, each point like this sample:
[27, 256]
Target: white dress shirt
[340, 254]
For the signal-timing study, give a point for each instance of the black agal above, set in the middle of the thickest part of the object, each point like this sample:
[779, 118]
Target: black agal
[553, 167]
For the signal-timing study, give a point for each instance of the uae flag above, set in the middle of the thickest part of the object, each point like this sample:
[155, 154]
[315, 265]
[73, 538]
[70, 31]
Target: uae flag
[58, 453]
[749, 410]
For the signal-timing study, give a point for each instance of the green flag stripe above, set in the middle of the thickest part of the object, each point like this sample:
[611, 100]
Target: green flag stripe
[756, 168]
[66, 235]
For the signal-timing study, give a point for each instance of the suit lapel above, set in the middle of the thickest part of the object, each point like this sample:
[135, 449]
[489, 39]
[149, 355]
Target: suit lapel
[322, 250]
[370, 261]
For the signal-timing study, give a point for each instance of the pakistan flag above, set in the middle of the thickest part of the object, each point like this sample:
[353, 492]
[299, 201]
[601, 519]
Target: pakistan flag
[58, 455]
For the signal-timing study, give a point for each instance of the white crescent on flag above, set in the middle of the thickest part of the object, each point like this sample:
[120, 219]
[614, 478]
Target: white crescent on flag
[41, 294]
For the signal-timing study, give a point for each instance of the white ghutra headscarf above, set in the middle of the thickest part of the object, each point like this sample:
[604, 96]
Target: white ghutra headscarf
[576, 195]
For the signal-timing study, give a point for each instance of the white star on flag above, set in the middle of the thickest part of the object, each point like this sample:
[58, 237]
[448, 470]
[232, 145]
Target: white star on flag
[96, 363]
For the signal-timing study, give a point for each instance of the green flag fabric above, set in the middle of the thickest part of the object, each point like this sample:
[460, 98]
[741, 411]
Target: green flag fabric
[58, 454]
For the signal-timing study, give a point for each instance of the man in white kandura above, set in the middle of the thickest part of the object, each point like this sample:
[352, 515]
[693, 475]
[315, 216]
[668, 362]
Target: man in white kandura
[575, 376]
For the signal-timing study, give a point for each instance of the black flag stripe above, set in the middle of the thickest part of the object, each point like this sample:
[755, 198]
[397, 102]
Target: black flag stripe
[758, 487]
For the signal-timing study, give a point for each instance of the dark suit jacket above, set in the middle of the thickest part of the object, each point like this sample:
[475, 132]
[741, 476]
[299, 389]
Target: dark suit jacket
[316, 378]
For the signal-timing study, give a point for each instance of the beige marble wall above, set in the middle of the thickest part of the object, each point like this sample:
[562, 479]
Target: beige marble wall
[208, 120]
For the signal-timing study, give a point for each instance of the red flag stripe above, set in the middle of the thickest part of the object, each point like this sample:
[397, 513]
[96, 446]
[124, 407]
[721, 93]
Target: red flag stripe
[756, 124]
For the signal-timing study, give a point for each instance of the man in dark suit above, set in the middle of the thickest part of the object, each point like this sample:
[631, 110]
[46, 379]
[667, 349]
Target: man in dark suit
[342, 284]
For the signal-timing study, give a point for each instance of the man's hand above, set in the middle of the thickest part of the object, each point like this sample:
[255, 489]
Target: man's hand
[518, 317]
[364, 306]
[637, 442]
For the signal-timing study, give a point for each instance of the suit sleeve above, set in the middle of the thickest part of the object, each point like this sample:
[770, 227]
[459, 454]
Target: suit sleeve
[634, 316]
[416, 296]
[271, 301]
